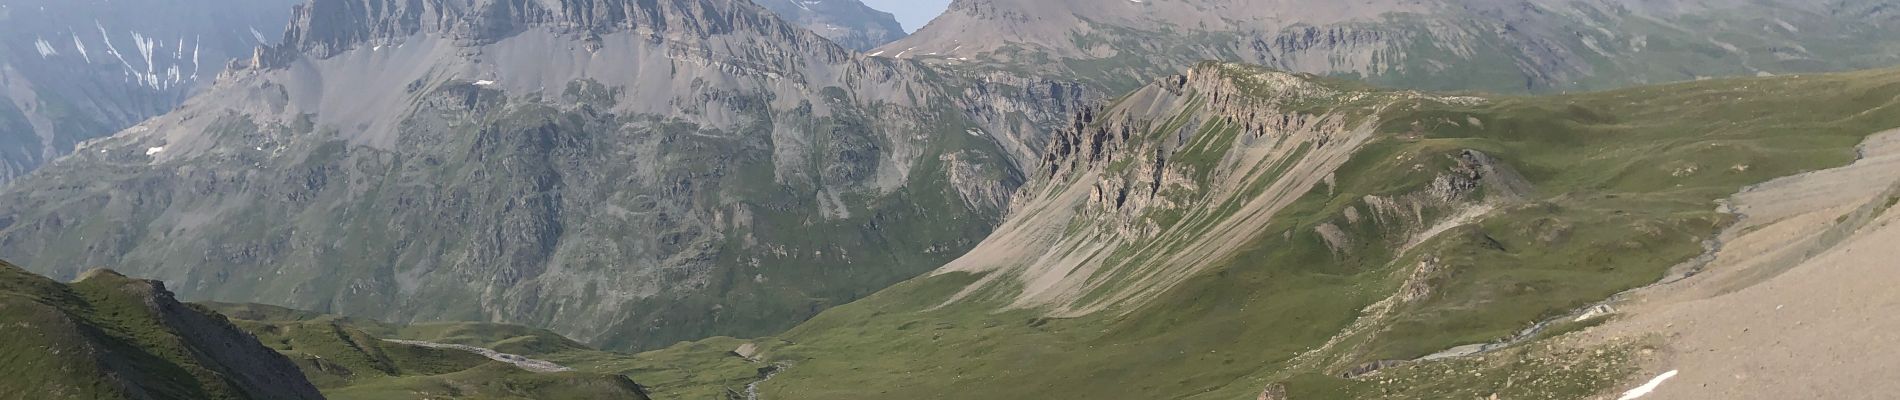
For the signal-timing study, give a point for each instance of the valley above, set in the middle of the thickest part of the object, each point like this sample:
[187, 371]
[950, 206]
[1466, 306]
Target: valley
[777, 199]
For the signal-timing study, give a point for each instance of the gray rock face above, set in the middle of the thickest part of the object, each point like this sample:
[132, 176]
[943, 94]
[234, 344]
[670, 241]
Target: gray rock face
[848, 22]
[1492, 45]
[629, 173]
[77, 70]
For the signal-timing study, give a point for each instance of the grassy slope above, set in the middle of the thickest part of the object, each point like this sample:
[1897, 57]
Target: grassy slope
[98, 339]
[496, 381]
[350, 359]
[1625, 187]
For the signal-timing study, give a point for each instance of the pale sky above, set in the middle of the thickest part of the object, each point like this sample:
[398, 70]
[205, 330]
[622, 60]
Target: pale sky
[912, 13]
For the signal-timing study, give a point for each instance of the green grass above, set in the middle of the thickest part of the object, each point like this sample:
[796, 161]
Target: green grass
[349, 358]
[496, 381]
[109, 336]
[1547, 372]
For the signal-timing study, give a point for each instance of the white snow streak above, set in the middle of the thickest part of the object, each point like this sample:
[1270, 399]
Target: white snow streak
[146, 47]
[46, 49]
[196, 42]
[81, 45]
[113, 50]
[1644, 390]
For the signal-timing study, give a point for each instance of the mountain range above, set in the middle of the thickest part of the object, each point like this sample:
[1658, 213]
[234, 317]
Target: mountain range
[509, 161]
[1192, 199]
[1507, 46]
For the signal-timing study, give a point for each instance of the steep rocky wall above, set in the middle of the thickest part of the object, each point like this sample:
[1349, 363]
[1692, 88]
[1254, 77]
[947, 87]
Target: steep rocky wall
[1134, 198]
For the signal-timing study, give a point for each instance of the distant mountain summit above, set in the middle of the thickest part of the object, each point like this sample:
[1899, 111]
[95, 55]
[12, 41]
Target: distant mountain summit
[77, 70]
[848, 22]
[1493, 45]
[627, 172]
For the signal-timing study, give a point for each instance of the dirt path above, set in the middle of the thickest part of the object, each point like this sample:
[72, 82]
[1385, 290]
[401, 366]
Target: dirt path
[752, 389]
[525, 363]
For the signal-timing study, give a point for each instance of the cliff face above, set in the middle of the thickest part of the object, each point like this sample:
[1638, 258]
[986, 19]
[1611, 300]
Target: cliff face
[111, 337]
[629, 173]
[1180, 175]
[1540, 46]
[72, 71]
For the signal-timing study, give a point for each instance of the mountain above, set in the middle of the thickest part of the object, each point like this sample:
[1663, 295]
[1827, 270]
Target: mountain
[111, 337]
[628, 173]
[1509, 46]
[1239, 232]
[848, 22]
[71, 71]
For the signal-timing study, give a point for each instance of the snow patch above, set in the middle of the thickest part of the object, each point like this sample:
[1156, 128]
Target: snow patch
[45, 49]
[1647, 388]
[155, 150]
[196, 42]
[484, 83]
[81, 45]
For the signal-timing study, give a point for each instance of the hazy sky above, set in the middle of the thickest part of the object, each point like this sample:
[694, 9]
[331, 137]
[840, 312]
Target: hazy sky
[912, 13]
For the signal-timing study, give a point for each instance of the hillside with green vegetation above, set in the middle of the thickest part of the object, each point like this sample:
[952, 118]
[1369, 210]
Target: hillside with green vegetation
[107, 336]
[353, 358]
[1239, 233]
